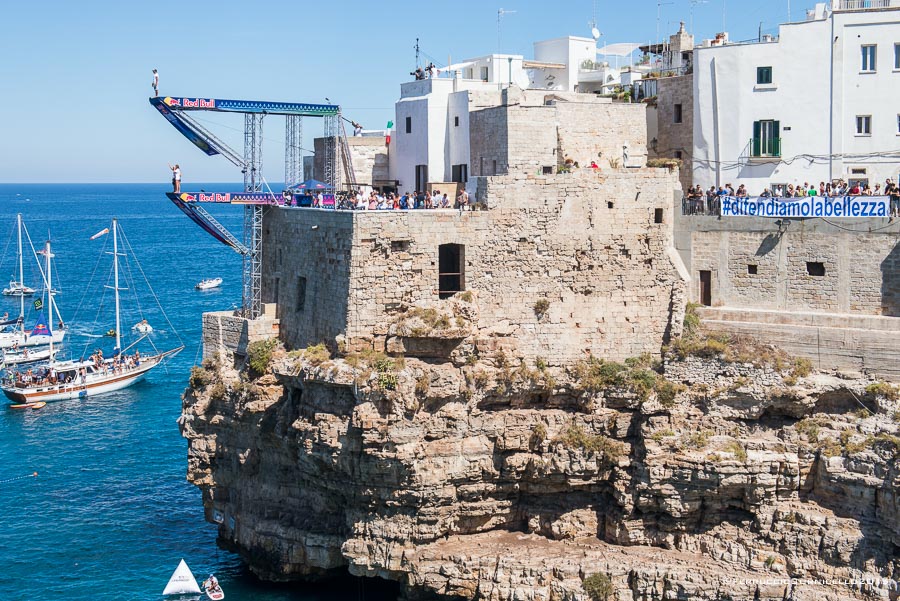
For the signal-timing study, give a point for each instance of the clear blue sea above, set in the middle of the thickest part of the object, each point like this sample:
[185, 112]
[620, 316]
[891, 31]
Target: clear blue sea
[110, 514]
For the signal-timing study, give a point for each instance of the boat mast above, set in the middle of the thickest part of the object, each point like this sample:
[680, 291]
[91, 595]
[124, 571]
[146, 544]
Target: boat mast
[116, 282]
[21, 279]
[49, 296]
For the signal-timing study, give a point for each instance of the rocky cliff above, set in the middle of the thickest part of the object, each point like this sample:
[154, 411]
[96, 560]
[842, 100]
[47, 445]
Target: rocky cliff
[453, 466]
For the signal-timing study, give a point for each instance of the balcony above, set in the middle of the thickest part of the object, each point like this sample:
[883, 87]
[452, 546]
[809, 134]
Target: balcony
[765, 148]
[864, 4]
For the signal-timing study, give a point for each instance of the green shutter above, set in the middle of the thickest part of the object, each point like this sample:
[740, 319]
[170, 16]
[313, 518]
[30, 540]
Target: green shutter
[756, 135]
[776, 140]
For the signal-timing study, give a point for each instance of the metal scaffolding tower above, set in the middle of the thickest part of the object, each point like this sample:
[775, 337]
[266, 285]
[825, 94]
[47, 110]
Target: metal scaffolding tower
[332, 164]
[336, 156]
[253, 215]
[293, 156]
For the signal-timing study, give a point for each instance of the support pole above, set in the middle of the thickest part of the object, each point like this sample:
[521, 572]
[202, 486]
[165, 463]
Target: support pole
[252, 261]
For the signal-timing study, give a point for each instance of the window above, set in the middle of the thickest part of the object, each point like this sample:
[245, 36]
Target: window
[399, 246]
[763, 75]
[456, 122]
[484, 74]
[494, 167]
[459, 173]
[897, 57]
[868, 59]
[409, 125]
[421, 177]
[815, 269]
[677, 115]
[547, 170]
[864, 125]
[751, 269]
[898, 125]
[657, 215]
[766, 141]
[678, 154]
[451, 279]
[469, 73]
[301, 293]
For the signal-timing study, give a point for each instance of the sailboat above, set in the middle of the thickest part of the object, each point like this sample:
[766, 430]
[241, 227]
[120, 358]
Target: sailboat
[40, 334]
[182, 581]
[62, 380]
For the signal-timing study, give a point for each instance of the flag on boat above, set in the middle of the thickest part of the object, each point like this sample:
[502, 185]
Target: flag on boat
[102, 232]
[41, 327]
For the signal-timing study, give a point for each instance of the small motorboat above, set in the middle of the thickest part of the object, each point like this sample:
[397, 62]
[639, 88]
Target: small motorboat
[142, 326]
[18, 357]
[213, 589]
[18, 289]
[209, 284]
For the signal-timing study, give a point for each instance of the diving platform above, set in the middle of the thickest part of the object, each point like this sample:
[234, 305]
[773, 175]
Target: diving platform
[265, 107]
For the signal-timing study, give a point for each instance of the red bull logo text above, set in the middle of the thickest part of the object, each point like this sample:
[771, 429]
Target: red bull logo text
[191, 103]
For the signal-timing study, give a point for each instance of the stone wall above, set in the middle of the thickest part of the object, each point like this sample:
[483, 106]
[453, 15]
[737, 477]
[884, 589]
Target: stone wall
[370, 160]
[306, 271]
[586, 243]
[675, 137]
[861, 268]
[612, 131]
[227, 334]
[844, 319]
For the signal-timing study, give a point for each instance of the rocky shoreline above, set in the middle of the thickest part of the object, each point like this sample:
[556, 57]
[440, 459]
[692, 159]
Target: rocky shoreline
[450, 464]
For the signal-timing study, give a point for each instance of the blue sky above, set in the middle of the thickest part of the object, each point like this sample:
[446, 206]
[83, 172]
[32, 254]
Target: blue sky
[76, 75]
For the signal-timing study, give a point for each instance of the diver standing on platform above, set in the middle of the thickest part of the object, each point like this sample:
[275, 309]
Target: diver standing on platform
[155, 83]
[176, 178]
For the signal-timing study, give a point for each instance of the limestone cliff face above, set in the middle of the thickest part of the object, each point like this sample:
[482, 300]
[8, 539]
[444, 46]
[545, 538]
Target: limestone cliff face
[481, 477]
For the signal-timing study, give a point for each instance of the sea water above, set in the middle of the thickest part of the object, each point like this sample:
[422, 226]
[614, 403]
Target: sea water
[94, 503]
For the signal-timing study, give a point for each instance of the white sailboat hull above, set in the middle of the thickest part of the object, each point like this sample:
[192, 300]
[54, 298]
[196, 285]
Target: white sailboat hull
[10, 339]
[11, 358]
[94, 384]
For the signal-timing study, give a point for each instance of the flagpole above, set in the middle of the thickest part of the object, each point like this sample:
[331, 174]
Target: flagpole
[49, 298]
[21, 282]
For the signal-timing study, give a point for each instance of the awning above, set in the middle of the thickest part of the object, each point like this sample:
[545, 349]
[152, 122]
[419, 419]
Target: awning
[621, 49]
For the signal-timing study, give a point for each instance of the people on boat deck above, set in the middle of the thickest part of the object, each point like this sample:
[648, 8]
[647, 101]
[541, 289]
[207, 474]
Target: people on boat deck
[212, 584]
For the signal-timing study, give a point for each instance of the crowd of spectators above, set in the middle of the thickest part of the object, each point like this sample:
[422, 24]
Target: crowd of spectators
[698, 201]
[390, 201]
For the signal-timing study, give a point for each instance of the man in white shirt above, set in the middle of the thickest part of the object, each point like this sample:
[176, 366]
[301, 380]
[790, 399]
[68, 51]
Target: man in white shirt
[176, 178]
[155, 83]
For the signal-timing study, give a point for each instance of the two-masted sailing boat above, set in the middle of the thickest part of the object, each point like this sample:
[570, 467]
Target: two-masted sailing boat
[62, 380]
[41, 334]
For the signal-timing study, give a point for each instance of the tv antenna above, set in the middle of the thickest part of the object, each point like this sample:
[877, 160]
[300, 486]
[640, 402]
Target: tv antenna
[595, 33]
[500, 14]
[659, 6]
[693, 4]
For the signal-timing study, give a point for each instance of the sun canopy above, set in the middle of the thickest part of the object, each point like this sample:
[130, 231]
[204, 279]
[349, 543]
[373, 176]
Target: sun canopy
[310, 184]
[621, 49]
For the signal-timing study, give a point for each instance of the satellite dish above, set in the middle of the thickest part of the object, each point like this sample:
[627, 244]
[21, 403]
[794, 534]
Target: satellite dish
[595, 33]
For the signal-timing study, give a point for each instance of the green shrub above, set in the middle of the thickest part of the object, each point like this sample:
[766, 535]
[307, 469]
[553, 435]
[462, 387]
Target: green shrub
[574, 437]
[883, 389]
[387, 380]
[660, 434]
[201, 377]
[892, 441]
[691, 321]
[217, 392]
[667, 391]
[538, 435]
[698, 440]
[737, 449]
[809, 427]
[466, 296]
[541, 306]
[802, 367]
[316, 354]
[260, 355]
[598, 587]
[422, 384]
[770, 561]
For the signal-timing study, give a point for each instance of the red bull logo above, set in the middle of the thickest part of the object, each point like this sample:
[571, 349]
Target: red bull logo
[214, 197]
[190, 103]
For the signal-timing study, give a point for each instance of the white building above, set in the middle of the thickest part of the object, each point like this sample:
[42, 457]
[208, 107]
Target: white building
[814, 104]
[430, 142]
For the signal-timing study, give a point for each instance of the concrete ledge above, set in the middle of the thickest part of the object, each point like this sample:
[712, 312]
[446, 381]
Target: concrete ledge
[878, 323]
[828, 347]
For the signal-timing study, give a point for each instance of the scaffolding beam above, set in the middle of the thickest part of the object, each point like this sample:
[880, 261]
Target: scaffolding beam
[293, 155]
[332, 164]
[252, 260]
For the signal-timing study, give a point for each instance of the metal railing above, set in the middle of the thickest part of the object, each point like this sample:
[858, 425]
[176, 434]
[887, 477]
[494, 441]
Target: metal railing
[765, 147]
[864, 4]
